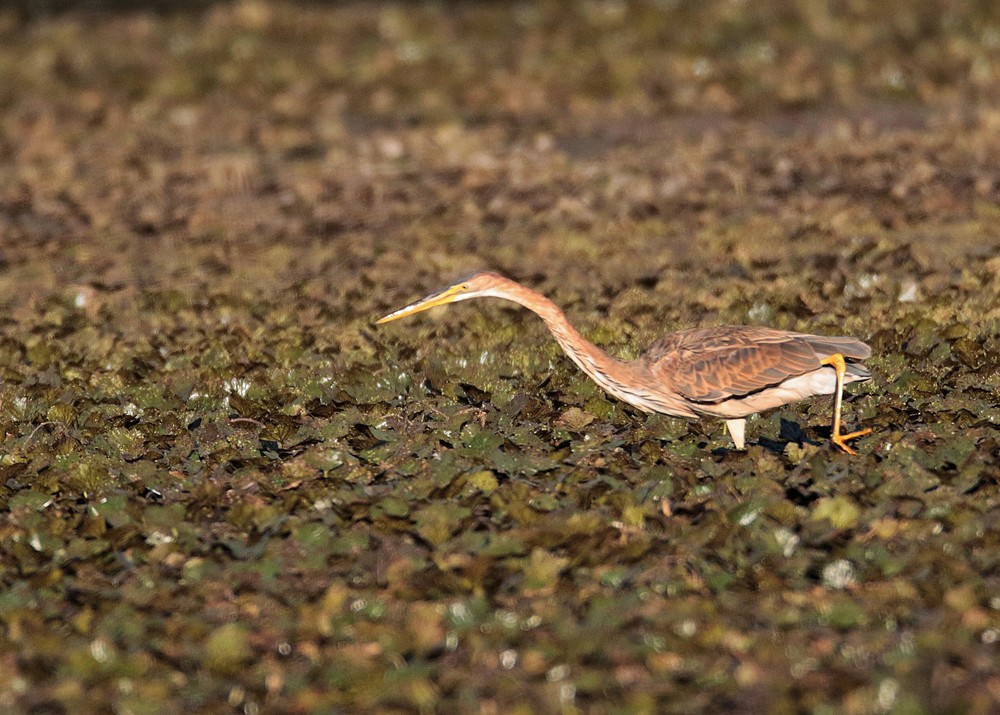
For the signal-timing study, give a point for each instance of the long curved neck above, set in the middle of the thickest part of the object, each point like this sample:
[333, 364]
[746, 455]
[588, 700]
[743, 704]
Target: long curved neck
[599, 366]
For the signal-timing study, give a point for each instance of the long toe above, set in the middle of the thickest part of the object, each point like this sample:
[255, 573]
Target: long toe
[841, 439]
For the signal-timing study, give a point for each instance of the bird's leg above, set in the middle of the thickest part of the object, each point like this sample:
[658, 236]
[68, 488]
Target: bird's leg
[837, 363]
[735, 428]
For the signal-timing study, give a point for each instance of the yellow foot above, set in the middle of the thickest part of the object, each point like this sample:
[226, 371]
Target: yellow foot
[841, 439]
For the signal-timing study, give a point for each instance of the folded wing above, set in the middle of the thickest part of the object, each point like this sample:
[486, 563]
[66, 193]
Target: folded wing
[713, 364]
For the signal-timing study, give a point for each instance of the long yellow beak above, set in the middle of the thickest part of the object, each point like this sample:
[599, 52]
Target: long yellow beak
[448, 295]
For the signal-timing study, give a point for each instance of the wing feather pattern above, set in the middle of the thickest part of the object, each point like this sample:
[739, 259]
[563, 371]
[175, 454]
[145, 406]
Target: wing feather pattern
[713, 364]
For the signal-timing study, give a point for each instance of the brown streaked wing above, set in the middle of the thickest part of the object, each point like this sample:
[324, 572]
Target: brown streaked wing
[714, 364]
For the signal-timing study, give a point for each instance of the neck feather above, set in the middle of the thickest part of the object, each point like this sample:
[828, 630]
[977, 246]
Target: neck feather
[607, 371]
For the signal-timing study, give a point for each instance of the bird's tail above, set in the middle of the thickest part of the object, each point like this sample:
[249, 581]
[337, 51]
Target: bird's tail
[856, 372]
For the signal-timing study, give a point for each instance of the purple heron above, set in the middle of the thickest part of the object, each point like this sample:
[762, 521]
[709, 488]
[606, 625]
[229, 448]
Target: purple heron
[729, 371]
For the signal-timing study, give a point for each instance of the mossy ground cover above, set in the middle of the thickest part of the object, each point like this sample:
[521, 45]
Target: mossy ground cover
[223, 488]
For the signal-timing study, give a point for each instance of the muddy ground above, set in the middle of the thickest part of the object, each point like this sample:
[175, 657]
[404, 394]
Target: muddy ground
[223, 488]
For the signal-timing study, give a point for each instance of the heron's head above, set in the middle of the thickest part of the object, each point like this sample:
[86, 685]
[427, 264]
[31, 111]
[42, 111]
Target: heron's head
[477, 285]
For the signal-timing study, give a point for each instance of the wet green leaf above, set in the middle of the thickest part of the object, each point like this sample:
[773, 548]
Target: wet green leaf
[485, 481]
[541, 572]
[437, 522]
[840, 511]
[227, 648]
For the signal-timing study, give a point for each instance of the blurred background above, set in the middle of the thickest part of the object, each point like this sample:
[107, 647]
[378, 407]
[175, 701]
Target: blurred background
[258, 145]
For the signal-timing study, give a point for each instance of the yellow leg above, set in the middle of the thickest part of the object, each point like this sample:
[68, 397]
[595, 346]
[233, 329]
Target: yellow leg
[838, 364]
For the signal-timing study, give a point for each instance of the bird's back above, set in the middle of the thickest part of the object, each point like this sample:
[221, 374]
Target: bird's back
[721, 337]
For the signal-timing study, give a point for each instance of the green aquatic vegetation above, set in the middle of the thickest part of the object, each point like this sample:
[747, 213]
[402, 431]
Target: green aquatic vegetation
[222, 487]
